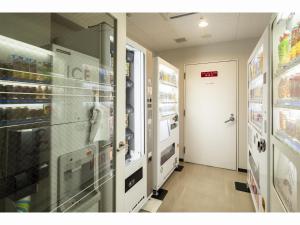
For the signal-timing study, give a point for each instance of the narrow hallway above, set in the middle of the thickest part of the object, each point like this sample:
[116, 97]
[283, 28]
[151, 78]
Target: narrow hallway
[199, 188]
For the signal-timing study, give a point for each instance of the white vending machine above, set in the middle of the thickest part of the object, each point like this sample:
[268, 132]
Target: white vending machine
[166, 124]
[258, 123]
[285, 105]
[135, 156]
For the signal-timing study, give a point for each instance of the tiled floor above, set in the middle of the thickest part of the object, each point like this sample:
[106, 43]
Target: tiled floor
[201, 188]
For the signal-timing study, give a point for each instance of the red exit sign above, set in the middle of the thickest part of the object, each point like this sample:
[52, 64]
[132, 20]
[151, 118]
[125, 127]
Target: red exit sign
[209, 74]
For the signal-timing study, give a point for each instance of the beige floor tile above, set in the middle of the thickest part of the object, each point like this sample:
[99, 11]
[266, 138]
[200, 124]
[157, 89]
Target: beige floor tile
[201, 188]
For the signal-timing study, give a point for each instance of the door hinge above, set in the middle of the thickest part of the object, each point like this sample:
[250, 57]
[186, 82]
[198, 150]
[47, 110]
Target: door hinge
[183, 150]
[183, 112]
[184, 75]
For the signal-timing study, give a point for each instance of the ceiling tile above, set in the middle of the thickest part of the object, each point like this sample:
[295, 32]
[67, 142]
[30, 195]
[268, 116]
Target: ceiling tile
[252, 25]
[157, 31]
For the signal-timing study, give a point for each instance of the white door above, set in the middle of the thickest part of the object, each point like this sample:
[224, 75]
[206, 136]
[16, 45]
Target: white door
[210, 109]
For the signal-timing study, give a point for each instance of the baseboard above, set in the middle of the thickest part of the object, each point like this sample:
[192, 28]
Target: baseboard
[242, 170]
[181, 160]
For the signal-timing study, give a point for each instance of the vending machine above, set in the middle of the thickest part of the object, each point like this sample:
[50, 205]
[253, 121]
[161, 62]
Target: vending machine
[57, 118]
[136, 114]
[285, 105]
[166, 124]
[258, 123]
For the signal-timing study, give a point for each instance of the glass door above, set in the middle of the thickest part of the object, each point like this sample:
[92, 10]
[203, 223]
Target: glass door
[57, 107]
[135, 104]
[135, 155]
[286, 109]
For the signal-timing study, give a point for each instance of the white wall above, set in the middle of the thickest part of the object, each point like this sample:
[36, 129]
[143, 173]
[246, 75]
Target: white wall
[240, 50]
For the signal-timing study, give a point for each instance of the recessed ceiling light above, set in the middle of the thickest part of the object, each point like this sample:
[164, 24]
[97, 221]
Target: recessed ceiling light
[202, 22]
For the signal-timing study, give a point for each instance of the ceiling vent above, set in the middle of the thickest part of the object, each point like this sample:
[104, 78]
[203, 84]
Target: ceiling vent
[180, 40]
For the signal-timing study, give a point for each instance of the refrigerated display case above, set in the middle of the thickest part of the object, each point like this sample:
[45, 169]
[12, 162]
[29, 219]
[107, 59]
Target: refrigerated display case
[166, 124]
[285, 148]
[57, 102]
[258, 123]
[136, 114]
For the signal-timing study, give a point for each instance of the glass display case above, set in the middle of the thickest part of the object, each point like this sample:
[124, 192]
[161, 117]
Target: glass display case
[168, 98]
[255, 89]
[286, 112]
[135, 174]
[258, 123]
[135, 104]
[286, 83]
[57, 101]
[166, 122]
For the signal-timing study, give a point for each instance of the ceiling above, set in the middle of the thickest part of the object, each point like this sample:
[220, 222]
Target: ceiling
[156, 31]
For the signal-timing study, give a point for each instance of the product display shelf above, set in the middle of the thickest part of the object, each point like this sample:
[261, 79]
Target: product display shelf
[21, 75]
[290, 103]
[49, 76]
[25, 101]
[168, 83]
[25, 81]
[255, 100]
[285, 68]
[288, 140]
[6, 123]
[62, 94]
[101, 87]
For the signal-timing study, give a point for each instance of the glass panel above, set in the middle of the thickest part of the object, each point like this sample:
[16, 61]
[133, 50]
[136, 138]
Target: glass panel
[57, 100]
[168, 91]
[286, 41]
[256, 89]
[250, 137]
[285, 180]
[254, 182]
[135, 108]
[287, 126]
[256, 117]
[286, 84]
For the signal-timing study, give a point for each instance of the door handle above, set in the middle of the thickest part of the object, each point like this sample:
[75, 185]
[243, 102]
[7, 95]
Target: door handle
[231, 118]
